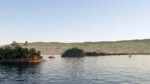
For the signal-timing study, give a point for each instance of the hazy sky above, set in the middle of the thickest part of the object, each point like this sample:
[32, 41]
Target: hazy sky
[73, 20]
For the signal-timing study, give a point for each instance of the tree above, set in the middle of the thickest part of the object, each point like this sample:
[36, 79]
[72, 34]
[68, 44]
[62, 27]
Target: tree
[26, 43]
[14, 44]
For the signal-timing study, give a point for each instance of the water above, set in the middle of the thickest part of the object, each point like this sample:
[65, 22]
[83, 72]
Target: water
[89, 70]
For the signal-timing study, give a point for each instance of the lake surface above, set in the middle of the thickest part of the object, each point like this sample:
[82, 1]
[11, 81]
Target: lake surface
[89, 70]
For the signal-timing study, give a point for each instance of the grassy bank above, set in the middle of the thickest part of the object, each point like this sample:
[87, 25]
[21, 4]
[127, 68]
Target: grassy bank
[111, 47]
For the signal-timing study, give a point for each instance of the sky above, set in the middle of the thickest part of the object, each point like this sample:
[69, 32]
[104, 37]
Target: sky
[73, 20]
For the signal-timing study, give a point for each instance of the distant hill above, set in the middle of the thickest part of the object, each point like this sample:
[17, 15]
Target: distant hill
[126, 46]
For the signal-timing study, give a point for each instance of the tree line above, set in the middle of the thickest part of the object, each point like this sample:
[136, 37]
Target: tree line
[14, 51]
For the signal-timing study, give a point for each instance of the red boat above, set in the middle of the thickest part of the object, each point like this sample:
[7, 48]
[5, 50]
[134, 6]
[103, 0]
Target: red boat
[51, 57]
[84, 56]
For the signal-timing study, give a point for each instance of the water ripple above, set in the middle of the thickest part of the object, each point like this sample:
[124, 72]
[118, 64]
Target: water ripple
[90, 70]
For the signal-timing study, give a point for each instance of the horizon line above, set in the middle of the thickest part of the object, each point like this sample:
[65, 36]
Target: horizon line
[75, 42]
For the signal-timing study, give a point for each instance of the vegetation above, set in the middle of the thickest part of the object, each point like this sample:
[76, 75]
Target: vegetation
[111, 47]
[94, 54]
[17, 52]
[73, 52]
[26, 43]
[76, 52]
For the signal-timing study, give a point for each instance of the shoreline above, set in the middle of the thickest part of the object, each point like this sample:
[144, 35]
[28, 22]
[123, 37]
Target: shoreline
[22, 61]
[108, 54]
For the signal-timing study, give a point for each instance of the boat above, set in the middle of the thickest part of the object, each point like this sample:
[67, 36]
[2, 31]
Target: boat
[84, 56]
[130, 55]
[51, 57]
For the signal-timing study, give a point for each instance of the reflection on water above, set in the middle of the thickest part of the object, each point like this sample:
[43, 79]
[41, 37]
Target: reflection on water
[17, 73]
[89, 70]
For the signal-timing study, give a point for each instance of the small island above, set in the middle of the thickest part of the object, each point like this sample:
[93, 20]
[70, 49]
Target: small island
[15, 53]
[73, 52]
[76, 52]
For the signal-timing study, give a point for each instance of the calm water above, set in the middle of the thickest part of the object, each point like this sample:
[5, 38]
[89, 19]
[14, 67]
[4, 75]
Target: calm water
[89, 70]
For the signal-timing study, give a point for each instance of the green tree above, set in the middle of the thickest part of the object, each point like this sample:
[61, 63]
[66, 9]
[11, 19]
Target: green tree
[26, 43]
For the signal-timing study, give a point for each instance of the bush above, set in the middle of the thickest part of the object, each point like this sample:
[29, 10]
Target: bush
[95, 54]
